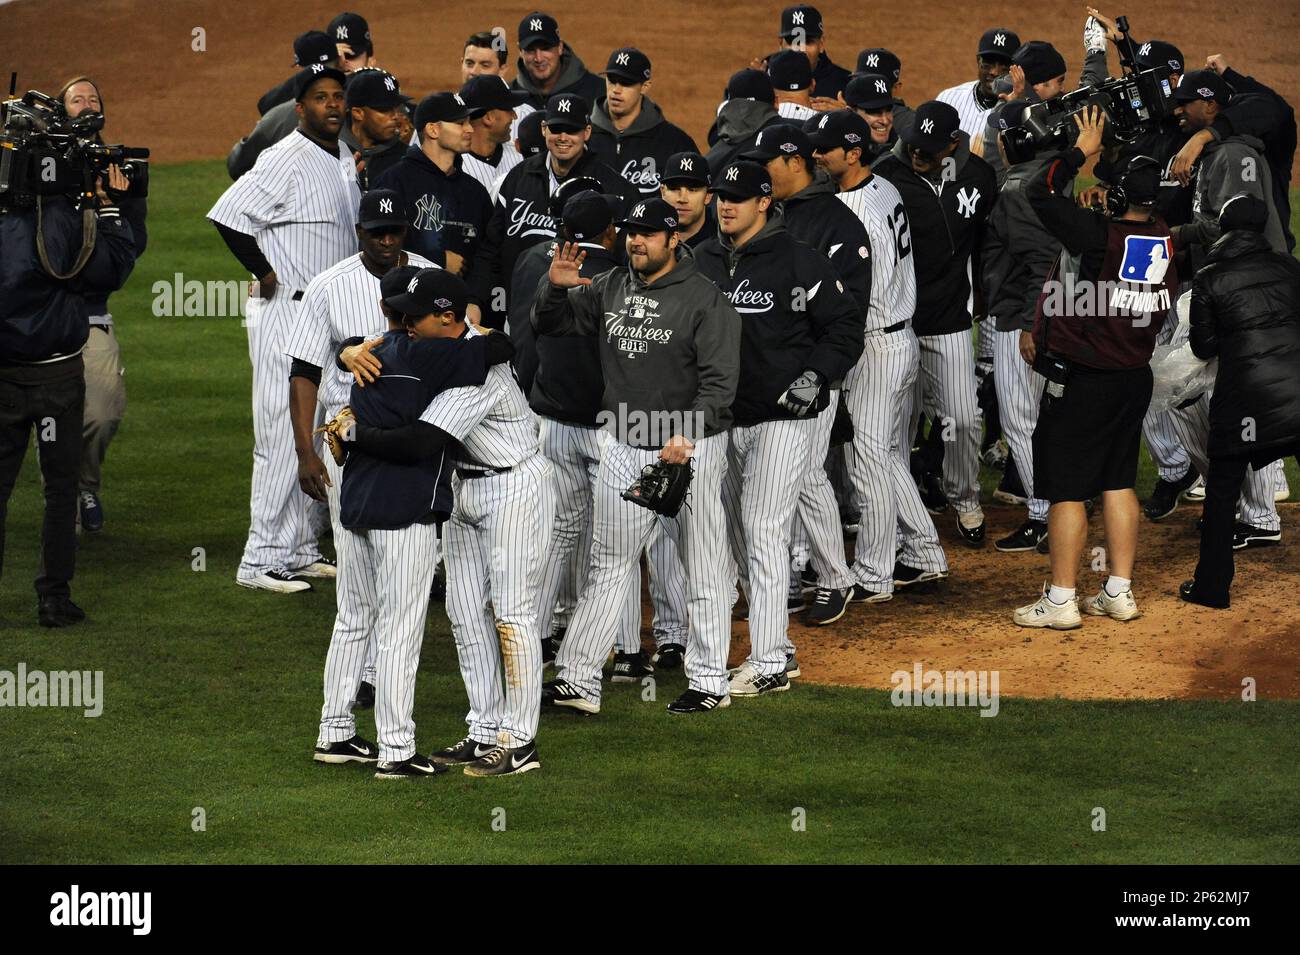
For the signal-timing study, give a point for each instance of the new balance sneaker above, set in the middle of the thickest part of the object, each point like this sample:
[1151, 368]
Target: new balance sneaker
[1123, 607]
[414, 768]
[354, 750]
[670, 656]
[365, 696]
[276, 581]
[91, 511]
[697, 701]
[971, 527]
[1024, 538]
[1045, 613]
[861, 595]
[503, 761]
[1165, 495]
[906, 576]
[463, 751]
[792, 667]
[631, 667]
[323, 568]
[747, 681]
[564, 694]
[828, 605]
[1245, 535]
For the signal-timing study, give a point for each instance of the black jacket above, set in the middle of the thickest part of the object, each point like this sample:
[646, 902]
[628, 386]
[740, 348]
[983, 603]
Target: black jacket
[446, 211]
[816, 217]
[829, 79]
[42, 318]
[1246, 310]
[795, 315]
[574, 78]
[560, 376]
[1018, 251]
[134, 209]
[522, 218]
[1256, 110]
[947, 219]
[1161, 143]
[280, 93]
[639, 152]
[375, 160]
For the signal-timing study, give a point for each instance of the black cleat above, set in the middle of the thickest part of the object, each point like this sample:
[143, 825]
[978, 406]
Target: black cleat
[1165, 496]
[354, 750]
[464, 751]
[564, 694]
[365, 696]
[906, 576]
[505, 762]
[58, 612]
[414, 768]
[670, 656]
[551, 646]
[697, 701]
[807, 580]
[1025, 538]
[828, 605]
[972, 536]
[631, 667]
[861, 595]
[1245, 536]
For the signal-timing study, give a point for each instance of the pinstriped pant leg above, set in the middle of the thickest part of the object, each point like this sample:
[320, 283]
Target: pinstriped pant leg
[918, 538]
[472, 626]
[955, 401]
[357, 612]
[405, 560]
[1192, 425]
[817, 512]
[871, 468]
[562, 445]
[1020, 390]
[667, 585]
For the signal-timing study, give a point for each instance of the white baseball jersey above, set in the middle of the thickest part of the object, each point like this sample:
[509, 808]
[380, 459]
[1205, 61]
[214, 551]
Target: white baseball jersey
[488, 173]
[340, 303]
[972, 117]
[795, 111]
[893, 277]
[300, 202]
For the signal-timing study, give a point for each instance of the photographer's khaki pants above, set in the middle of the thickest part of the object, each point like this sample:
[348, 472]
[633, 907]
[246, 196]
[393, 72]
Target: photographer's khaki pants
[105, 402]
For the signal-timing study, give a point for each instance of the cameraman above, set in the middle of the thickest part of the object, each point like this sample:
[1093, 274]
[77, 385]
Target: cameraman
[43, 330]
[105, 388]
[1093, 344]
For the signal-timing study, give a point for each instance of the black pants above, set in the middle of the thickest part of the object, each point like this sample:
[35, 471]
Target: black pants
[54, 410]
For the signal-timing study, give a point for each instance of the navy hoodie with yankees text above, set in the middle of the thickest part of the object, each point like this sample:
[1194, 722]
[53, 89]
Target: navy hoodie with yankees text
[640, 152]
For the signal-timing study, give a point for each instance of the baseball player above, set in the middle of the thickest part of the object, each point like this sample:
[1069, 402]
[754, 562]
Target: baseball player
[493, 112]
[548, 66]
[351, 35]
[801, 330]
[748, 105]
[389, 510]
[974, 100]
[792, 85]
[885, 63]
[802, 29]
[947, 192]
[341, 303]
[286, 221]
[376, 106]
[308, 48]
[685, 186]
[868, 95]
[876, 392]
[628, 129]
[485, 54]
[669, 353]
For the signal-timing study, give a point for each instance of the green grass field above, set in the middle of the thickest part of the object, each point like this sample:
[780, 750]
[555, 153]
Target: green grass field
[212, 695]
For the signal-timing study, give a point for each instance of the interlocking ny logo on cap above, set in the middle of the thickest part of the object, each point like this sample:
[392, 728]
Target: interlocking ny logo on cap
[389, 84]
[342, 32]
[731, 174]
[386, 206]
[1205, 91]
[318, 67]
[1144, 49]
[882, 86]
[534, 24]
[459, 101]
[927, 125]
[873, 60]
[563, 105]
[797, 18]
[638, 211]
[825, 119]
[688, 164]
[414, 282]
[1000, 39]
[621, 59]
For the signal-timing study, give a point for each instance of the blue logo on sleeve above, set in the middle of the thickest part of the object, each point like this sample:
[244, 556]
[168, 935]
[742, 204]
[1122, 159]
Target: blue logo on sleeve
[1146, 259]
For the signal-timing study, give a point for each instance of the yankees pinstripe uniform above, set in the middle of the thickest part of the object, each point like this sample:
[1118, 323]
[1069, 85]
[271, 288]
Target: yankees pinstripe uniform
[1167, 453]
[300, 203]
[489, 174]
[500, 528]
[877, 390]
[972, 116]
[796, 112]
[1020, 391]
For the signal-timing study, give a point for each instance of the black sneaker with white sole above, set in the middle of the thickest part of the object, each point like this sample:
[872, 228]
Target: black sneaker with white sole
[464, 751]
[564, 694]
[414, 768]
[697, 701]
[795, 602]
[505, 762]
[828, 605]
[1024, 538]
[670, 656]
[807, 580]
[861, 595]
[906, 576]
[354, 750]
[631, 667]
[1245, 536]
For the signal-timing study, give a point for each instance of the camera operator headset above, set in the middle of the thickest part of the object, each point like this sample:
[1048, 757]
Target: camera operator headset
[105, 387]
[1094, 332]
[63, 244]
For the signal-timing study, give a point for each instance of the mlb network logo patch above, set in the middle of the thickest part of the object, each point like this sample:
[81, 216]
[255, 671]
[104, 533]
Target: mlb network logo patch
[1146, 259]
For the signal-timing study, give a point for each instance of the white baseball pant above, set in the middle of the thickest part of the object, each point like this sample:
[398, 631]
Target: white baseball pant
[816, 535]
[1020, 390]
[946, 390]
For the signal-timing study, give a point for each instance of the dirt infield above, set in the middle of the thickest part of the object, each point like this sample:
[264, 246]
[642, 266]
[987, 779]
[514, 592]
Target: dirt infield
[185, 105]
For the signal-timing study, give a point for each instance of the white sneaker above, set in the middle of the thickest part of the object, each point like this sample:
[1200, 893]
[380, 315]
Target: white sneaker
[971, 520]
[1123, 607]
[1196, 492]
[1044, 613]
[276, 581]
[747, 681]
[323, 568]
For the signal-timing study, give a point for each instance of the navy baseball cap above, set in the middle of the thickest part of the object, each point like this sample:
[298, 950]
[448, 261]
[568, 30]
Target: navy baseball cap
[869, 91]
[538, 29]
[1140, 177]
[440, 108]
[1243, 211]
[588, 214]
[395, 280]
[314, 47]
[789, 70]
[374, 89]
[628, 63]
[779, 140]
[650, 215]
[1159, 53]
[1203, 84]
[879, 60]
[568, 189]
[742, 180]
[841, 128]
[567, 111]
[999, 42]
[431, 291]
[803, 18]
[750, 84]
[303, 81]
[380, 208]
[488, 91]
[934, 128]
[1040, 60]
[529, 134]
[352, 29]
[686, 167]
[1009, 114]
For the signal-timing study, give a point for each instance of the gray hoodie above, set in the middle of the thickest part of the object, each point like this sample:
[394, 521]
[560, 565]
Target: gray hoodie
[574, 78]
[669, 351]
[736, 127]
[1227, 168]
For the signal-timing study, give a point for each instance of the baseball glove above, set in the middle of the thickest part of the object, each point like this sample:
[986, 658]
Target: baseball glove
[661, 487]
[337, 431]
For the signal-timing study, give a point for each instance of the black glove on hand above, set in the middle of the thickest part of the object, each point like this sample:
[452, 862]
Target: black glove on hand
[802, 393]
